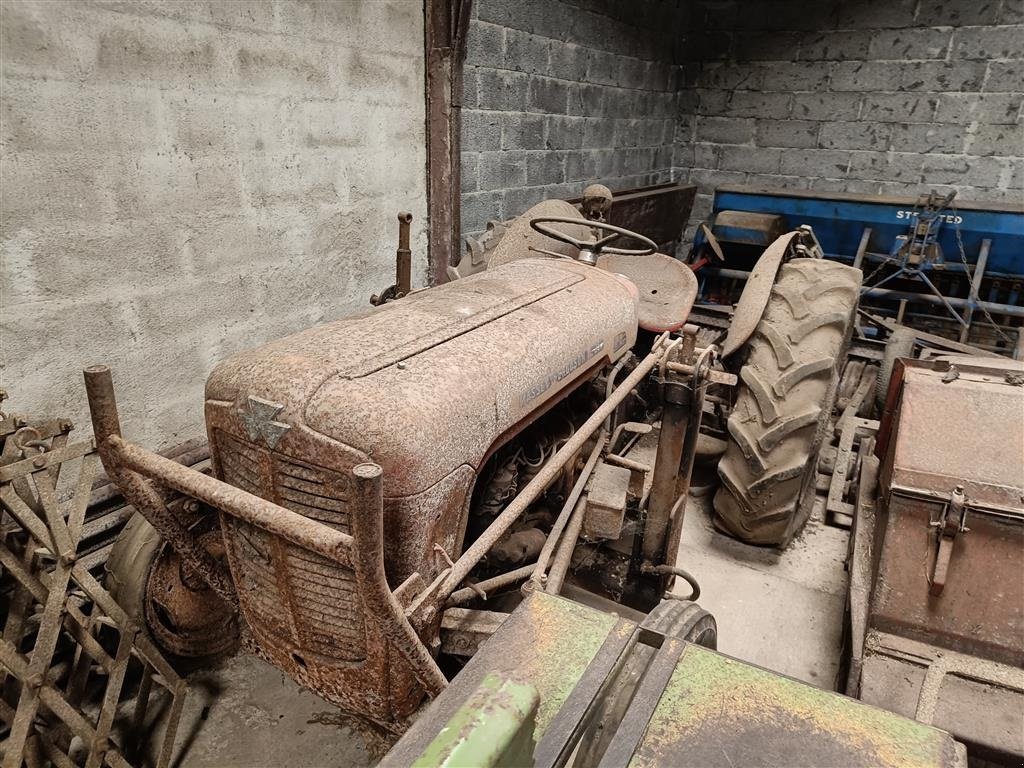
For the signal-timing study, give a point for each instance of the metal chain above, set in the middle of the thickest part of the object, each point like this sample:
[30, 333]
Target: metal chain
[866, 281]
[29, 437]
[967, 271]
[887, 261]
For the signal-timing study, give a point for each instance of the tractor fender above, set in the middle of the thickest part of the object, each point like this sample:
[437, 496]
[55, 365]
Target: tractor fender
[754, 298]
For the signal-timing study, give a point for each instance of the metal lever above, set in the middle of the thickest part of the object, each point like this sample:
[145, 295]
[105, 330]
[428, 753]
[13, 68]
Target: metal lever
[952, 523]
[403, 265]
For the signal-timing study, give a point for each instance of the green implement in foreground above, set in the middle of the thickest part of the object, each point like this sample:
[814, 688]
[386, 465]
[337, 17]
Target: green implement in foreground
[690, 707]
[494, 729]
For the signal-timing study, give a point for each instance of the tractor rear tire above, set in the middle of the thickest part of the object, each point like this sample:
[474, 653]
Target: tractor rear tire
[788, 381]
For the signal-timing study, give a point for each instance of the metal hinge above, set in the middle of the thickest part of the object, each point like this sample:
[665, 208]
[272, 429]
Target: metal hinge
[806, 244]
[951, 523]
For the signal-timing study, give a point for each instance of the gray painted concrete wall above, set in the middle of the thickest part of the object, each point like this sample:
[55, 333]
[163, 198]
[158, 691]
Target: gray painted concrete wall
[181, 181]
[893, 96]
[560, 92]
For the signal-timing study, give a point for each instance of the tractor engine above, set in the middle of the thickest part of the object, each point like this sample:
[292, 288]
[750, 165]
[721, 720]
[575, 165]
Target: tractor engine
[430, 388]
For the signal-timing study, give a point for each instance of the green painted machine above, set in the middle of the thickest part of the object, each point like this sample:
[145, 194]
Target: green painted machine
[561, 683]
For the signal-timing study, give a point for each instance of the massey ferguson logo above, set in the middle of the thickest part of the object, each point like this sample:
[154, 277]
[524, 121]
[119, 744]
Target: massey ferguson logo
[571, 366]
[257, 416]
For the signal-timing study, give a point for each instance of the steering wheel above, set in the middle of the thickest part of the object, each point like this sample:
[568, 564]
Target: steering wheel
[594, 247]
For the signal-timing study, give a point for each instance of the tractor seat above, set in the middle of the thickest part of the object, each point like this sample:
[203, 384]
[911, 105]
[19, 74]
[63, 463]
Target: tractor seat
[667, 288]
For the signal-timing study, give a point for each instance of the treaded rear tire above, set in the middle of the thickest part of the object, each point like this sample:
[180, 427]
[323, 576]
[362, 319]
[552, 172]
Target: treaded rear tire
[787, 388]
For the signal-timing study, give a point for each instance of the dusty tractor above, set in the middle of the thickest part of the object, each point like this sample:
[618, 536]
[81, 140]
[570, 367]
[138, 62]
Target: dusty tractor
[387, 488]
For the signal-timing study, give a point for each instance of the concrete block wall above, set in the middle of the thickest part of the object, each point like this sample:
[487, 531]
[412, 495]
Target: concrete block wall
[894, 97]
[562, 92]
[181, 181]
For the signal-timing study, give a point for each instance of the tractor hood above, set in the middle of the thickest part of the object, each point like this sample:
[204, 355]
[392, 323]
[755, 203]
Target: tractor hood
[430, 382]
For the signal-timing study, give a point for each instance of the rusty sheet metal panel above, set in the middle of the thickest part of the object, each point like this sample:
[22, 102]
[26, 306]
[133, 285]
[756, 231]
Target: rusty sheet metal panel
[981, 608]
[659, 212]
[304, 611]
[548, 643]
[717, 711]
[947, 427]
[980, 702]
[959, 425]
[426, 383]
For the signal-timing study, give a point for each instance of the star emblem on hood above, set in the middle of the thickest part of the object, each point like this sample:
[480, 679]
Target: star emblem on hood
[257, 416]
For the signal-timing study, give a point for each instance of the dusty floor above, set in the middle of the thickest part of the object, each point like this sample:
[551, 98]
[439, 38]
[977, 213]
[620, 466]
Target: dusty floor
[779, 610]
[247, 714]
[782, 611]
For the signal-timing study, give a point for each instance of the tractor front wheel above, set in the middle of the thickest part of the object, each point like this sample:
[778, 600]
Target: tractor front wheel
[181, 614]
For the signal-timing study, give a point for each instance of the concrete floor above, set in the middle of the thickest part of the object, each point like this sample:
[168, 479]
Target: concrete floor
[247, 714]
[779, 610]
[782, 611]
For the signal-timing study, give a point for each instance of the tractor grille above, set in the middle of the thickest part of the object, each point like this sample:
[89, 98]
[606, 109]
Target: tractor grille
[275, 576]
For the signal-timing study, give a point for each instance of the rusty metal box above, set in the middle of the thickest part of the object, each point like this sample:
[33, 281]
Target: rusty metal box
[606, 502]
[945, 639]
[952, 425]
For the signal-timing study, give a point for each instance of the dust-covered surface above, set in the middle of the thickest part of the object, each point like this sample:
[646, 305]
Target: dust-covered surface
[719, 712]
[248, 714]
[548, 643]
[779, 610]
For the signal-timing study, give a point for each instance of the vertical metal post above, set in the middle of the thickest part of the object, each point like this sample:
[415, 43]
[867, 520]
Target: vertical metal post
[403, 256]
[368, 562]
[675, 416]
[698, 387]
[99, 389]
[862, 248]
[140, 493]
[446, 25]
[979, 273]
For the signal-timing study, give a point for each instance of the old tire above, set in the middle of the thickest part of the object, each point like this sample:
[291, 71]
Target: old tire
[900, 344]
[197, 625]
[788, 380]
[686, 620]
